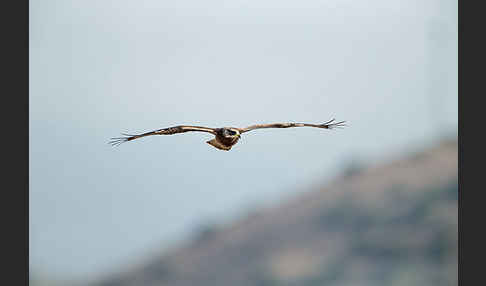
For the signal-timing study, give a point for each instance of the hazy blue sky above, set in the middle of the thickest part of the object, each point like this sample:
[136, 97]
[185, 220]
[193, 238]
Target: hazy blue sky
[98, 68]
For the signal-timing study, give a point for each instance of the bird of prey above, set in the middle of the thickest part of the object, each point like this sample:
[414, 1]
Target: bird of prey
[225, 137]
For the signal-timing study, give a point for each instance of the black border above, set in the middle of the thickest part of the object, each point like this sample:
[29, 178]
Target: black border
[470, 270]
[15, 132]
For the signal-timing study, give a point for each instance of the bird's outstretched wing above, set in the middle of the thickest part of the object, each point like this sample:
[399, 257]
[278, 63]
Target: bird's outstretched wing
[166, 131]
[327, 125]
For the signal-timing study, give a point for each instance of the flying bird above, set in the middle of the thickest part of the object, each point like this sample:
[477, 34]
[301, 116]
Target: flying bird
[225, 137]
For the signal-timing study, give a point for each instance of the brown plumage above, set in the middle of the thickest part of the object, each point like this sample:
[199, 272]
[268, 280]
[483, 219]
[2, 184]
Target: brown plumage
[225, 137]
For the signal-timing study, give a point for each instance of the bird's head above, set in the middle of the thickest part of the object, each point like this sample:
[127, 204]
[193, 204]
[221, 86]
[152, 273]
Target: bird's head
[231, 133]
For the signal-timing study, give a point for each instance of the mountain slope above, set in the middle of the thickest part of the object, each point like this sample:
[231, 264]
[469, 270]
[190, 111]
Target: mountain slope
[391, 224]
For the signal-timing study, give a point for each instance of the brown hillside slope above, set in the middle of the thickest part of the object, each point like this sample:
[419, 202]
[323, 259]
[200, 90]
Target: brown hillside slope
[392, 224]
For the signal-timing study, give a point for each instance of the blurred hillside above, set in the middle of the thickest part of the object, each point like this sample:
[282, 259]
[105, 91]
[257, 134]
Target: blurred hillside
[389, 224]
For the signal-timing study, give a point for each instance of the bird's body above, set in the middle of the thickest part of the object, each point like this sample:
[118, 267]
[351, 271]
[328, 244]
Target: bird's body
[225, 137]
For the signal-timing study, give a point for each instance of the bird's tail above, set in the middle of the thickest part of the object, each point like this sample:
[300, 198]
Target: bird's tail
[218, 145]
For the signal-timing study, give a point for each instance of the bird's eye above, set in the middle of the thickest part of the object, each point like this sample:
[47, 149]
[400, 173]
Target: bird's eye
[231, 132]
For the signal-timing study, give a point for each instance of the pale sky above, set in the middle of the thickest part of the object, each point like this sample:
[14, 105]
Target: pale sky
[98, 68]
